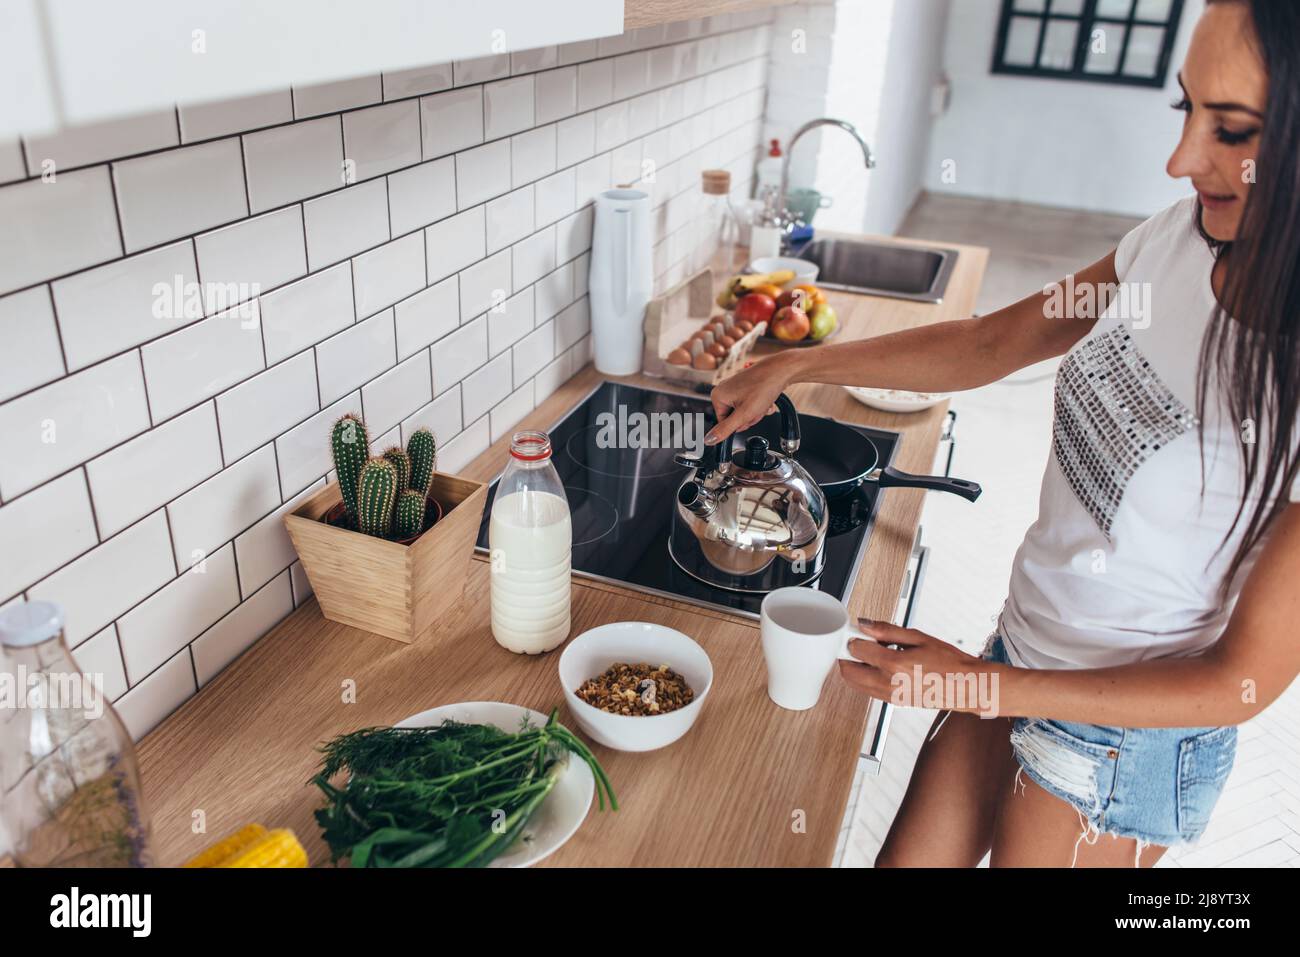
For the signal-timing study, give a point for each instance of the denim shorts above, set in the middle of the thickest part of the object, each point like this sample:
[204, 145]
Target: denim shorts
[1157, 785]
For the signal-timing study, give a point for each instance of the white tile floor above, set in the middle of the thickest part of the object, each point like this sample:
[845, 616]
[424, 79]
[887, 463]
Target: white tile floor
[1004, 435]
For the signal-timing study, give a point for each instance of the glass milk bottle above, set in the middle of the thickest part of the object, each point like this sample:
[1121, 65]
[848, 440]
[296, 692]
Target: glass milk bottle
[71, 789]
[530, 543]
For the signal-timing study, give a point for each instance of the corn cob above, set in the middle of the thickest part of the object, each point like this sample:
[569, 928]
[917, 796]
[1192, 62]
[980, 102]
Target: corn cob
[246, 836]
[278, 848]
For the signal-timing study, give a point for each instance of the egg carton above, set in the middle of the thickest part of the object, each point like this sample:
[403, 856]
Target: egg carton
[673, 318]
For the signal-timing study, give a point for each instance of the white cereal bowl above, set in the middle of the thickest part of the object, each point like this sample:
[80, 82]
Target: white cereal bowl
[593, 651]
[805, 272]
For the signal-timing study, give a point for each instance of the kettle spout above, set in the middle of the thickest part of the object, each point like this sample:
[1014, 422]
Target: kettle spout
[696, 498]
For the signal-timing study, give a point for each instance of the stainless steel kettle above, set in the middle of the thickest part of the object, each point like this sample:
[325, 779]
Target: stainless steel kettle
[750, 519]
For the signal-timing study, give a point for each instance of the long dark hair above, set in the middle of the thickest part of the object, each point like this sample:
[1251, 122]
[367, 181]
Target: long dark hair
[1256, 358]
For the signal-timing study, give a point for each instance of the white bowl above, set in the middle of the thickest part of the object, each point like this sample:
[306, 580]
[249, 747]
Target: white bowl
[804, 271]
[896, 400]
[631, 642]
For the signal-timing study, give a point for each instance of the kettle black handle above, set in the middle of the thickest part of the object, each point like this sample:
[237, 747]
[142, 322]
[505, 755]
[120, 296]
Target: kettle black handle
[789, 424]
[713, 456]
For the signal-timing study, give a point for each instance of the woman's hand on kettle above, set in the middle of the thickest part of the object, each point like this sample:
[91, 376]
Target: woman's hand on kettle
[743, 399]
[919, 670]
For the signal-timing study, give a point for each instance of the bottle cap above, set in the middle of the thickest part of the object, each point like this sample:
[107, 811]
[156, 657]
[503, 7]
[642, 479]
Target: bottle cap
[530, 446]
[717, 182]
[775, 148]
[30, 623]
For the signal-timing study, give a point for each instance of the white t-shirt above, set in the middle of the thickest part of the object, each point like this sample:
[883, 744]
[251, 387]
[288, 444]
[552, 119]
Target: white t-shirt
[1121, 565]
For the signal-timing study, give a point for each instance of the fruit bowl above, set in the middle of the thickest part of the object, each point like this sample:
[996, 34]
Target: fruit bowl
[768, 337]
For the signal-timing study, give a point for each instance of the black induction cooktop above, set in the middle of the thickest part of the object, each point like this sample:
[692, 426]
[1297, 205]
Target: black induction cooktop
[622, 498]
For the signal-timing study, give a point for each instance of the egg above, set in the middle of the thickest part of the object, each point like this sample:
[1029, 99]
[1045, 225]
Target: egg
[704, 361]
[679, 357]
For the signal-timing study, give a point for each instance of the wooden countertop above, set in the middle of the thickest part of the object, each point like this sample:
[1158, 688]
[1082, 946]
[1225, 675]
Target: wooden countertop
[750, 785]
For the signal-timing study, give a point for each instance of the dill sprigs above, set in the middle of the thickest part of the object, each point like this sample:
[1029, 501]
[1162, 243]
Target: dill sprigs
[457, 795]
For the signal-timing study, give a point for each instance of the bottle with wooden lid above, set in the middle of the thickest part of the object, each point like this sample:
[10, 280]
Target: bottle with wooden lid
[722, 243]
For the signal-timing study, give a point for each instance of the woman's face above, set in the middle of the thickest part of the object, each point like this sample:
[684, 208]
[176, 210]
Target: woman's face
[1225, 86]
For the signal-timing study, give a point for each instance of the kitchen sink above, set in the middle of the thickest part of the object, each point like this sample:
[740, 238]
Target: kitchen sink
[894, 270]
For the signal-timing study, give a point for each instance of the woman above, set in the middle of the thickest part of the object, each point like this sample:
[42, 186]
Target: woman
[1153, 605]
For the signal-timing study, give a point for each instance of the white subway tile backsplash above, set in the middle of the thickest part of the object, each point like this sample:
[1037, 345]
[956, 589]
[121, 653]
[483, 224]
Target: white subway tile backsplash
[507, 413]
[268, 404]
[205, 121]
[484, 284]
[96, 142]
[441, 417]
[466, 188]
[427, 316]
[485, 388]
[44, 529]
[63, 424]
[451, 121]
[245, 259]
[145, 473]
[530, 61]
[27, 318]
[555, 196]
[53, 228]
[397, 393]
[557, 94]
[575, 139]
[458, 353]
[417, 81]
[595, 84]
[232, 635]
[508, 106]
[532, 155]
[481, 69]
[510, 322]
[318, 98]
[388, 273]
[342, 224]
[206, 517]
[265, 550]
[380, 139]
[482, 173]
[144, 706]
[186, 367]
[421, 195]
[509, 218]
[108, 580]
[165, 622]
[111, 308]
[533, 351]
[472, 442]
[303, 453]
[100, 657]
[179, 192]
[355, 355]
[307, 311]
[289, 163]
[454, 243]
[532, 258]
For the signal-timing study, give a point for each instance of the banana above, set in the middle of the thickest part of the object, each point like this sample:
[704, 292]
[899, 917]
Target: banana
[749, 281]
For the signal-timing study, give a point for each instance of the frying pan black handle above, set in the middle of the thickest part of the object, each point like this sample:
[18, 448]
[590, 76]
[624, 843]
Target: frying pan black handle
[789, 424]
[890, 476]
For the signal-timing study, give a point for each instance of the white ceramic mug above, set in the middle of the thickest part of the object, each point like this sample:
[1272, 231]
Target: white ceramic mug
[803, 632]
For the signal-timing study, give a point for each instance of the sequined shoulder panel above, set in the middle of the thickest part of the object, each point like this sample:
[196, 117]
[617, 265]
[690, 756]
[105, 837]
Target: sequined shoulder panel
[1112, 414]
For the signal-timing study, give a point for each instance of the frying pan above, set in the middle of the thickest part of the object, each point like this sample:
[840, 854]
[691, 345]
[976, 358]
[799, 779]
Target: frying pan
[843, 462]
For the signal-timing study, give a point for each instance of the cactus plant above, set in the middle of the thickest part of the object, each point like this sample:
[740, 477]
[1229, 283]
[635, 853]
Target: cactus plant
[397, 455]
[376, 493]
[351, 448]
[408, 517]
[422, 451]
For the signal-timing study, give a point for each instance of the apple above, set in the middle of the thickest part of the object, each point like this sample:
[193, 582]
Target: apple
[790, 324]
[755, 308]
[793, 297]
[822, 320]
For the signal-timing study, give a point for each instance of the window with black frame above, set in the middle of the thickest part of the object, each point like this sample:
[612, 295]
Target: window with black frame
[1104, 41]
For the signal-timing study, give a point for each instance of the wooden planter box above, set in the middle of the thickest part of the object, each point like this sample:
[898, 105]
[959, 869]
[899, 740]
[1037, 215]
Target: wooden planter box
[399, 591]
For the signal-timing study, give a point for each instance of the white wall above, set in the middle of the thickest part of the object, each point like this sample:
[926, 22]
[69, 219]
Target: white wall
[872, 63]
[1080, 145]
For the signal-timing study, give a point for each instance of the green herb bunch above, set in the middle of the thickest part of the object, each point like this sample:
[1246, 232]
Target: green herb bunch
[457, 795]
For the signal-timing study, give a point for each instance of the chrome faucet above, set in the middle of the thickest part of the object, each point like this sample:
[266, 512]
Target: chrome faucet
[868, 159]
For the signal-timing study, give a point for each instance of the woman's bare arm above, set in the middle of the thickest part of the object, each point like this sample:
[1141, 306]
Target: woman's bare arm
[943, 357]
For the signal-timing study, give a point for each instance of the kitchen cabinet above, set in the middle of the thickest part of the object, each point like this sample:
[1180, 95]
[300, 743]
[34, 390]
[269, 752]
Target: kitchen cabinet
[750, 785]
[71, 62]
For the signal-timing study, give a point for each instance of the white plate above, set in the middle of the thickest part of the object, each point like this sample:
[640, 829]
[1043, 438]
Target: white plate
[564, 809]
[894, 400]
